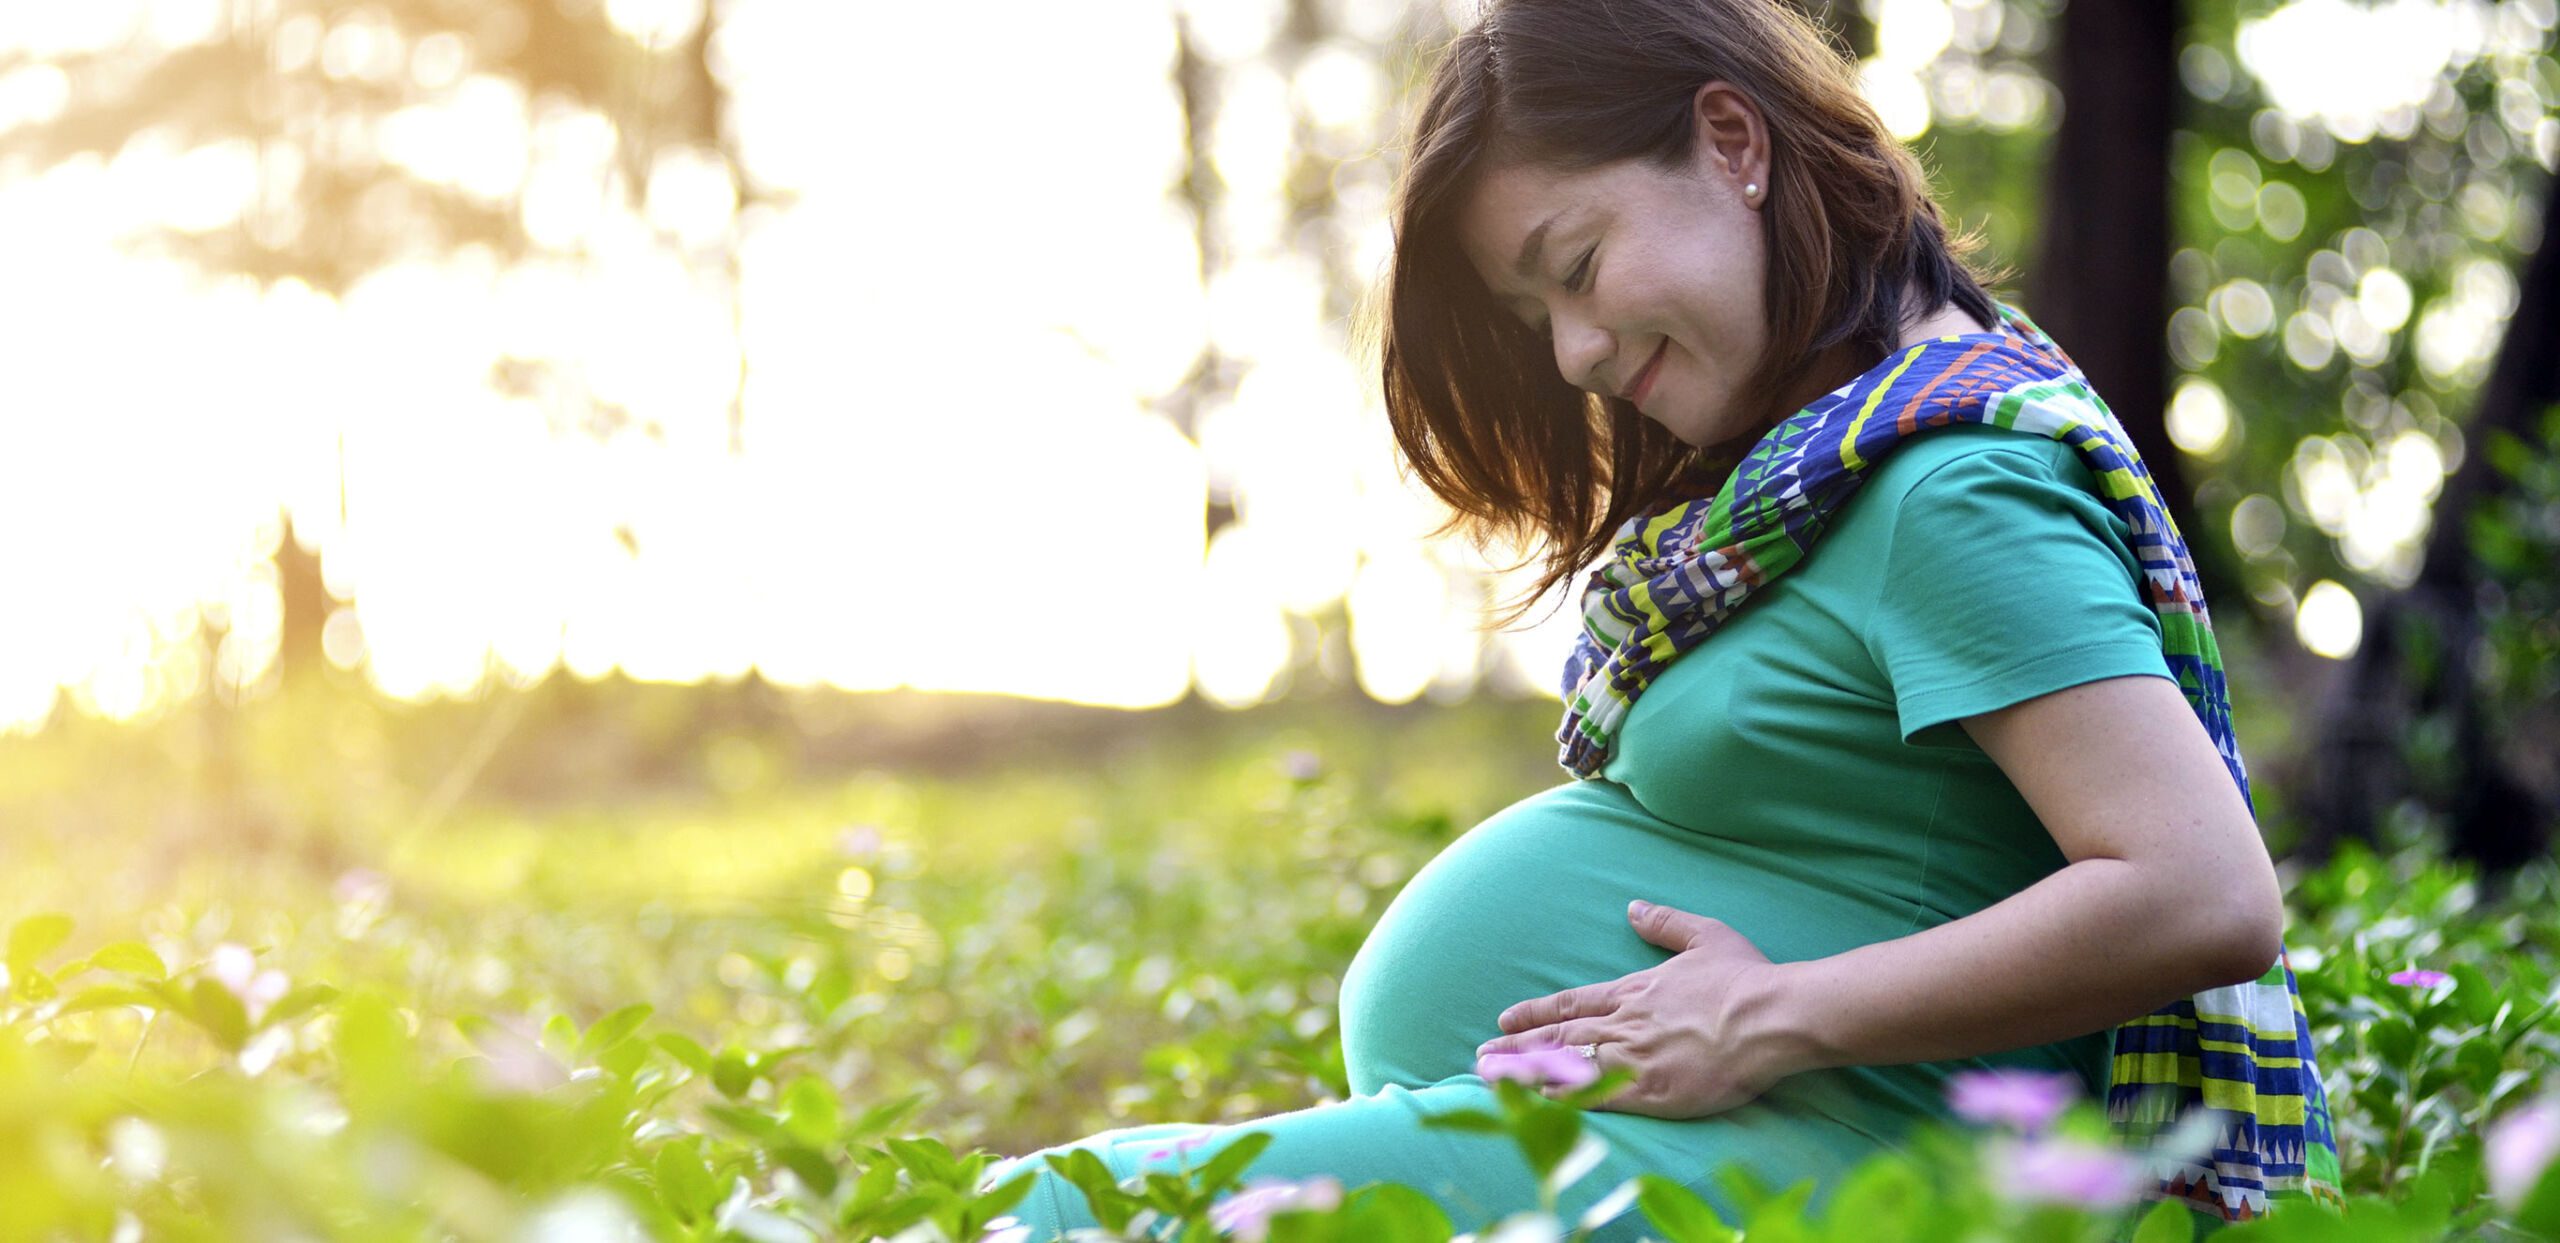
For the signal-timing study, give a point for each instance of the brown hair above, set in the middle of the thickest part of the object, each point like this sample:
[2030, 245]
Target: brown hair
[1474, 397]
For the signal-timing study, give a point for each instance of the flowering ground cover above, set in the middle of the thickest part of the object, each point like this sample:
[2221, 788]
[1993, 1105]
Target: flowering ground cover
[817, 1008]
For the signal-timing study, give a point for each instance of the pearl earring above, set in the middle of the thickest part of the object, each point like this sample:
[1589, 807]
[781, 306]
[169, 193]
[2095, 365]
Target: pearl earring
[1751, 189]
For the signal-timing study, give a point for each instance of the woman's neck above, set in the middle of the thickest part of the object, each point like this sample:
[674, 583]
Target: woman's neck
[1844, 362]
[1946, 321]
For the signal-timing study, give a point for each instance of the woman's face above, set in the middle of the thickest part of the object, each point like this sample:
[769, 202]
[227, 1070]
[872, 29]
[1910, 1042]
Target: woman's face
[1647, 282]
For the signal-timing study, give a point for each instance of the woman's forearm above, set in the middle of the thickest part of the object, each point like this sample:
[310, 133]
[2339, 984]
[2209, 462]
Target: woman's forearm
[2097, 943]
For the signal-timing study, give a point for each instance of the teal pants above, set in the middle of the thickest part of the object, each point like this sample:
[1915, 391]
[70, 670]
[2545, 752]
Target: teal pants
[1530, 902]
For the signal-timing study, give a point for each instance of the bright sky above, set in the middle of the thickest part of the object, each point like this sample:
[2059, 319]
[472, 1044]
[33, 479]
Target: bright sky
[949, 477]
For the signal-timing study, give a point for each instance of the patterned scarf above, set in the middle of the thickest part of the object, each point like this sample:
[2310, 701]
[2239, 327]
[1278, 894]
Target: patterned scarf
[2242, 1053]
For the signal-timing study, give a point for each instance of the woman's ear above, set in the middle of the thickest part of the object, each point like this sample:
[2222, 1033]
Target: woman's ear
[1729, 139]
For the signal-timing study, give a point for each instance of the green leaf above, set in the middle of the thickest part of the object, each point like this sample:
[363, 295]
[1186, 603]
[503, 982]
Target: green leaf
[1165, 1192]
[763, 1130]
[1882, 1190]
[879, 1118]
[108, 996]
[684, 1182]
[1087, 1174]
[613, 1029]
[687, 1052]
[2168, 1222]
[1394, 1211]
[995, 1202]
[32, 938]
[1679, 1213]
[811, 1166]
[560, 1037]
[1545, 1135]
[930, 1161]
[874, 1186]
[731, 1074]
[2474, 993]
[624, 1060]
[809, 1111]
[374, 1049]
[1223, 1170]
[2480, 1060]
[33, 985]
[2393, 1040]
[2541, 1209]
[1598, 1090]
[887, 1219]
[2426, 1203]
[832, 988]
[1472, 1120]
[129, 958]
[214, 1009]
[302, 1000]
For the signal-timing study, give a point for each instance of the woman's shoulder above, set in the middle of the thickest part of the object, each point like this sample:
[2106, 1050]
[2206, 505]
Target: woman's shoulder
[2030, 396]
[1919, 461]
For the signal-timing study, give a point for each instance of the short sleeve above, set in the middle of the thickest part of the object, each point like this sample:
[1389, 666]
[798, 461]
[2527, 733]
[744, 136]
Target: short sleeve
[2007, 578]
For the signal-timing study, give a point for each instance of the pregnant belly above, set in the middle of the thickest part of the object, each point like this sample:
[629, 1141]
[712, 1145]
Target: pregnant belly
[1533, 901]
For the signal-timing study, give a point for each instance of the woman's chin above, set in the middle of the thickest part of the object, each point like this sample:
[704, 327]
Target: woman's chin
[1688, 431]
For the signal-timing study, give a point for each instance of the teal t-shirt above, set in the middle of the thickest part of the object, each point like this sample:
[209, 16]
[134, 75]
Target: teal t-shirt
[1816, 735]
[1801, 777]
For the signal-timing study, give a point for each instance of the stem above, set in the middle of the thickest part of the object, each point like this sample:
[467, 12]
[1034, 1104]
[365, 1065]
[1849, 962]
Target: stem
[2400, 1129]
[148, 1026]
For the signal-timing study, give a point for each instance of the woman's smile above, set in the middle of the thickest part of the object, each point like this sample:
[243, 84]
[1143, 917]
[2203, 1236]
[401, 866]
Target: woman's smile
[1642, 385]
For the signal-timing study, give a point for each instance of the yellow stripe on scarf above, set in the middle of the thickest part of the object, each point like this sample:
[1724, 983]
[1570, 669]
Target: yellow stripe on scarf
[1849, 439]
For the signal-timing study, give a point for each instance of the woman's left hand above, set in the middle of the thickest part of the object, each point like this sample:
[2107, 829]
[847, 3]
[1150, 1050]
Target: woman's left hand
[1697, 1030]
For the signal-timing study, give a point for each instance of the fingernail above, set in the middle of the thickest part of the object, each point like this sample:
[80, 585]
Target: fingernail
[1637, 908]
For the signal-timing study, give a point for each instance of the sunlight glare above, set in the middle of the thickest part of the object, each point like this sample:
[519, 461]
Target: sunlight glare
[2329, 622]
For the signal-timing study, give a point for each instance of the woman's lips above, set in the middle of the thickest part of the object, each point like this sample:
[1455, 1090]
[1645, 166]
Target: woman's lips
[1644, 379]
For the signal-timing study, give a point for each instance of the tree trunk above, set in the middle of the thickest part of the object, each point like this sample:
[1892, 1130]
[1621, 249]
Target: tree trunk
[305, 597]
[2101, 283]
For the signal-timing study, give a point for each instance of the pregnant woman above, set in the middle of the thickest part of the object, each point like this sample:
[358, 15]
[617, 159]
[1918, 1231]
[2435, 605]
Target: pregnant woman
[1900, 740]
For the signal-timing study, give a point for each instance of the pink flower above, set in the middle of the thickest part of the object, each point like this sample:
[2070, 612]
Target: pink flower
[2024, 1099]
[2064, 1171]
[2519, 1147]
[2419, 977]
[1302, 766]
[1246, 1215]
[514, 1060]
[236, 969]
[1553, 1065]
[1185, 1146]
[361, 887]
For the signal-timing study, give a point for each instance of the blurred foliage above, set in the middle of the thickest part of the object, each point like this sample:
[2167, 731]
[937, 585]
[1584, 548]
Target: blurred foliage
[315, 86]
[739, 1015]
[2517, 538]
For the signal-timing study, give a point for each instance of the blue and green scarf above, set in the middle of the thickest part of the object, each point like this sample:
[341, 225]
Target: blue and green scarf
[2242, 1053]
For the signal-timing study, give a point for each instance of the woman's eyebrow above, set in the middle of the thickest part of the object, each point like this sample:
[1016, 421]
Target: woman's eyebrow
[1526, 266]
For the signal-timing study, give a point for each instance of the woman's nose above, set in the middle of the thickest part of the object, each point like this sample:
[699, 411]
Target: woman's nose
[1582, 349]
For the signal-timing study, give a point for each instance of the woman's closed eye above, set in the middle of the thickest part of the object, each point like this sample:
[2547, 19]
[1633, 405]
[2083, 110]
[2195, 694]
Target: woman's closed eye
[1577, 279]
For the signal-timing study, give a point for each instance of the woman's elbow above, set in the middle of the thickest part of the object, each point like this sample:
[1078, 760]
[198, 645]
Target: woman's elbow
[2248, 944]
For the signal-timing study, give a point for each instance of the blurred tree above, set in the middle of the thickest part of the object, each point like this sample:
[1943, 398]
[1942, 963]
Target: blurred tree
[2427, 664]
[2346, 250]
[2101, 281]
[305, 598]
[313, 86]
